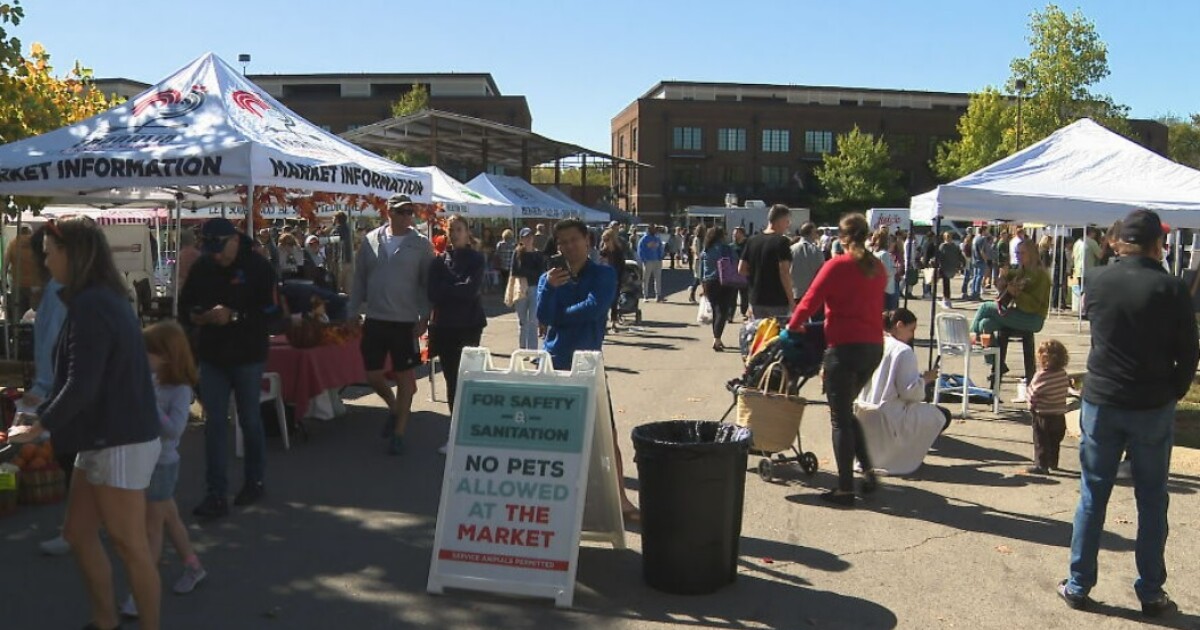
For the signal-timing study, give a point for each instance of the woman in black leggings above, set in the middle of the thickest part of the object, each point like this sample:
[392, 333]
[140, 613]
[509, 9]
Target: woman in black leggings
[850, 287]
[722, 298]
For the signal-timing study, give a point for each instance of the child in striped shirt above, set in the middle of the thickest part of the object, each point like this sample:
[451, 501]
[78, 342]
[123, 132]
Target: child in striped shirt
[1047, 396]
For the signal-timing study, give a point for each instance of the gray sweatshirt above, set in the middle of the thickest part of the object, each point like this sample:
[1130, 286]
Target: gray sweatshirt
[392, 285]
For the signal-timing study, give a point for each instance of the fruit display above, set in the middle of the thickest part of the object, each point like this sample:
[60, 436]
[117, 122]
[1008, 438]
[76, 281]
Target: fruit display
[40, 480]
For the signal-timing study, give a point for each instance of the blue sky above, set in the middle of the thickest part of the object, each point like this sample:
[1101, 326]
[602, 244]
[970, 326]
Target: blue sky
[579, 63]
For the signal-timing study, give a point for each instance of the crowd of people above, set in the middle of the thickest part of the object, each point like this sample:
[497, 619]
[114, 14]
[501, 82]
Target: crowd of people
[117, 397]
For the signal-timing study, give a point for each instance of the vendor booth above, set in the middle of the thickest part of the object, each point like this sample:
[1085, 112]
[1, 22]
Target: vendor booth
[528, 201]
[588, 215]
[456, 198]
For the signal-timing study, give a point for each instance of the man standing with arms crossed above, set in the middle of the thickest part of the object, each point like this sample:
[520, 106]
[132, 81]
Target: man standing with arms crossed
[650, 254]
[1143, 359]
[390, 278]
[767, 262]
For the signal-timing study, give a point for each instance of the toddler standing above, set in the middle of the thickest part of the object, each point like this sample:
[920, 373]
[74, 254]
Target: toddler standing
[1048, 402]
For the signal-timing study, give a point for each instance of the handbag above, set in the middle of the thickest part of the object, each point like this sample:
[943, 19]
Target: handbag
[773, 417]
[517, 290]
[728, 275]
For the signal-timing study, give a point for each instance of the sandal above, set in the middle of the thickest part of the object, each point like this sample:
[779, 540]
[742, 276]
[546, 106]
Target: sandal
[843, 499]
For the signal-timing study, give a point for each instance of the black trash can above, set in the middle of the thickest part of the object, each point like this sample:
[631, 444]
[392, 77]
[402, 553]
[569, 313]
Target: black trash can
[692, 479]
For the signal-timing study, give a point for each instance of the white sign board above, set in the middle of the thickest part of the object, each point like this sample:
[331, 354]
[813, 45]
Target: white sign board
[516, 477]
[894, 219]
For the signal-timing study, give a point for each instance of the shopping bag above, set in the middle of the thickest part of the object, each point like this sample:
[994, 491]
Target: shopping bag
[704, 315]
[773, 417]
[517, 289]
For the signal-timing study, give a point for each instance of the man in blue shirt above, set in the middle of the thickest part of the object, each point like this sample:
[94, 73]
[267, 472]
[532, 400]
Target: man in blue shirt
[574, 298]
[650, 252]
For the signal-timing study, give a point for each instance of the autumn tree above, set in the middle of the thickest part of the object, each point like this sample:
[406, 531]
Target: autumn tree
[859, 174]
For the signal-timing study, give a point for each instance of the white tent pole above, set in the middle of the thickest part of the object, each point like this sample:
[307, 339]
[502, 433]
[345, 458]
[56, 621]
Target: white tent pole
[175, 288]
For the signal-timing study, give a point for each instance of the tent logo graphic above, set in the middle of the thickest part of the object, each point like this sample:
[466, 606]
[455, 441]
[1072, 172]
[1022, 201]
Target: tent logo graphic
[170, 103]
[250, 102]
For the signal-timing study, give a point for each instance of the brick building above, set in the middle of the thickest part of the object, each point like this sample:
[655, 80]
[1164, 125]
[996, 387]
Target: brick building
[706, 140]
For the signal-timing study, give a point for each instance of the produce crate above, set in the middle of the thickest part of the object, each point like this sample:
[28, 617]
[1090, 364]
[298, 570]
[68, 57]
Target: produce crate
[41, 487]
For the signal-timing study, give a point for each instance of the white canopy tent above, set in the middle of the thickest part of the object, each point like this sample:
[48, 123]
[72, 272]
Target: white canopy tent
[590, 215]
[1082, 174]
[528, 201]
[457, 198]
[199, 133]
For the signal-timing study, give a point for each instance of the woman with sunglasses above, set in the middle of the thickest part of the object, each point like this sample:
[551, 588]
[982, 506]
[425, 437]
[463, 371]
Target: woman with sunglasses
[101, 405]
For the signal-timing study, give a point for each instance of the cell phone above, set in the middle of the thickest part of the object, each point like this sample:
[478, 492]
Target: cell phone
[557, 261]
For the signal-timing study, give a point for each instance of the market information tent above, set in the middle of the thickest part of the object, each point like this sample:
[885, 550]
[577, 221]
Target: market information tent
[203, 135]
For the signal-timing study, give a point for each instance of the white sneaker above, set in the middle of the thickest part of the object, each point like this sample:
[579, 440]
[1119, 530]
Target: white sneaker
[129, 608]
[443, 448]
[1125, 470]
[56, 546]
[189, 579]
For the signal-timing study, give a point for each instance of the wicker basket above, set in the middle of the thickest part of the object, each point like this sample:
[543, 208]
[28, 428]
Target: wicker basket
[39, 487]
[772, 417]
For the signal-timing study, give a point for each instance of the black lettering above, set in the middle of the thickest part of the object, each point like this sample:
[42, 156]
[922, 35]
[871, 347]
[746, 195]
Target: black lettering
[72, 168]
[118, 168]
[136, 168]
[102, 167]
[212, 166]
[191, 166]
[152, 169]
[278, 169]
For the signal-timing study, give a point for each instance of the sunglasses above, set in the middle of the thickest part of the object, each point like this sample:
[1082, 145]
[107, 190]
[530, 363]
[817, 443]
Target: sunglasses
[404, 210]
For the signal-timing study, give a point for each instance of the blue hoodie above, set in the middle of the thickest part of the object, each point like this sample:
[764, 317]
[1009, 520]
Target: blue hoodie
[576, 314]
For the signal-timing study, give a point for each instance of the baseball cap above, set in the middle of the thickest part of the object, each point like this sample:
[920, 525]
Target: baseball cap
[1141, 227]
[526, 232]
[312, 238]
[398, 201]
[213, 234]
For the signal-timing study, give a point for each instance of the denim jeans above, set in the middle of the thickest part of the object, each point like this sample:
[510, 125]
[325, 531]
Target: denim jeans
[977, 272]
[216, 383]
[968, 273]
[1107, 432]
[527, 323]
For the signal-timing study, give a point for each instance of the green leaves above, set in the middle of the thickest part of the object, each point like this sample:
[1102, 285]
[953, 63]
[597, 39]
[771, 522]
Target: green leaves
[859, 173]
[413, 101]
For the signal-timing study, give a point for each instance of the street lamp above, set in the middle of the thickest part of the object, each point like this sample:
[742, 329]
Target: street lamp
[1020, 85]
[244, 59]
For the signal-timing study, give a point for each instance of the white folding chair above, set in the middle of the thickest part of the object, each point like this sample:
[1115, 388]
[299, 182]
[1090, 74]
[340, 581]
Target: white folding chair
[954, 339]
[273, 392]
[434, 363]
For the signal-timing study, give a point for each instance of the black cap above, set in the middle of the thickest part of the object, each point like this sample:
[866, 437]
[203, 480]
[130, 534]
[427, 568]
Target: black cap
[213, 234]
[1141, 227]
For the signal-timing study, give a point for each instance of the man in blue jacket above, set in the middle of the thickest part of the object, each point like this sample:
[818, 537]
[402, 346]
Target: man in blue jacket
[650, 253]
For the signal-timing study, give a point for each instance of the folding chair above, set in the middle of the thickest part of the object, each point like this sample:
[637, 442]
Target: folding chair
[954, 339]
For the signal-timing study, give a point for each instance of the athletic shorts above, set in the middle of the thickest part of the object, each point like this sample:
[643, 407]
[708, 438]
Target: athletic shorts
[162, 482]
[381, 339]
[128, 466]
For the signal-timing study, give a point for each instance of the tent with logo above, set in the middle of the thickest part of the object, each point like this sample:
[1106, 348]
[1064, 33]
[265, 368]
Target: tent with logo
[528, 202]
[589, 215]
[198, 134]
[456, 198]
[1082, 174]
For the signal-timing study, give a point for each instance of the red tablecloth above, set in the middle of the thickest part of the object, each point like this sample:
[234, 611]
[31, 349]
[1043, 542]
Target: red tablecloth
[307, 372]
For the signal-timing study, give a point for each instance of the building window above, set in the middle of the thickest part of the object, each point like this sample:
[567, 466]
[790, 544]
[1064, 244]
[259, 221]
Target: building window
[729, 175]
[620, 146]
[818, 141]
[686, 178]
[731, 139]
[774, 176]
[776, 140]
[633, 140]
[687, 138]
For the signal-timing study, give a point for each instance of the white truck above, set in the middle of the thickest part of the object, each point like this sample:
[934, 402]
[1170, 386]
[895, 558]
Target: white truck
[752, 217]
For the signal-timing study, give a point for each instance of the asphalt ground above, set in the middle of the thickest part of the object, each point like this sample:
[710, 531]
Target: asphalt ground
[344, 536]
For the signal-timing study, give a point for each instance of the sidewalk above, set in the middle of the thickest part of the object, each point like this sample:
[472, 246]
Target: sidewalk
[343, 538]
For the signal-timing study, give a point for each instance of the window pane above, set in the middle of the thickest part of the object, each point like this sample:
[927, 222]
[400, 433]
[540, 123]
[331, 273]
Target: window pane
[818, 141]
[776, 140]
[686, 138]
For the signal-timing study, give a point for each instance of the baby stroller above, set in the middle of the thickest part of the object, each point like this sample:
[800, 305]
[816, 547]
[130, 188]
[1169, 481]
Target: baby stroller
[767, 393]
[629, 294]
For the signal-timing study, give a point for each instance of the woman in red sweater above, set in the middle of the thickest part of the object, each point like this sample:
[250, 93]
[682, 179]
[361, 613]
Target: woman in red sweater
[850, 287]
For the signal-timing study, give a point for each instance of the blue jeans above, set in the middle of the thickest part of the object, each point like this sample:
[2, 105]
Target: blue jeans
[1147, 434]
[527, 322]
[968, 273]
[216, 383]
[977, 271]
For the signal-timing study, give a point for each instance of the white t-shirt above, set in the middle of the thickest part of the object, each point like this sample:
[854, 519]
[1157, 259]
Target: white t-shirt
[1014, 248]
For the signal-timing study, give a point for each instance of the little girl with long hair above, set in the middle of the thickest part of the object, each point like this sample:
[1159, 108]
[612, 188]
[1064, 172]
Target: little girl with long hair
[175, 375]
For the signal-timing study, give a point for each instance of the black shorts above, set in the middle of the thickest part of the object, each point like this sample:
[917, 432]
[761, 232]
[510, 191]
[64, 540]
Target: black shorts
[380, 339]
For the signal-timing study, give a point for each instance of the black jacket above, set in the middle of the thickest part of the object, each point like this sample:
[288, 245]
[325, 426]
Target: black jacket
[103, 393]
[1144, 342]
[455, 289]
[248, 287]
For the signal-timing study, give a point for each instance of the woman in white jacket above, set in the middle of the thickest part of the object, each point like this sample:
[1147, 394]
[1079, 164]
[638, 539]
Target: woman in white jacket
[898, 425]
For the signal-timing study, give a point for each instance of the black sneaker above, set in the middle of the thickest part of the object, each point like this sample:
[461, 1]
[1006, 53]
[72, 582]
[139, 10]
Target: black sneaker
[1159, 607]
[1076, 601]
[250, 494]
[212, 507]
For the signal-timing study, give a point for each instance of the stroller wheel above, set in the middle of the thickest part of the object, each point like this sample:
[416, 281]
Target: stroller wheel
[766, 469]
[808, 463]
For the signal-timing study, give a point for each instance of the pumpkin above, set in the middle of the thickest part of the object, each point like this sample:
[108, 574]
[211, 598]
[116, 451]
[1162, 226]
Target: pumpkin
[28, 452]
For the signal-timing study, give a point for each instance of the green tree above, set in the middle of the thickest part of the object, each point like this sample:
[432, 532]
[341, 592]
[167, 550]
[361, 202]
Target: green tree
[1066, 58]
[596, 176]
[416, 99]
[859, 174]
[986, 132]
[1183, 139]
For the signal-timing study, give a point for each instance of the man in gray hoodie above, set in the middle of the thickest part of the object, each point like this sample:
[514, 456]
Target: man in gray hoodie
[390, 277]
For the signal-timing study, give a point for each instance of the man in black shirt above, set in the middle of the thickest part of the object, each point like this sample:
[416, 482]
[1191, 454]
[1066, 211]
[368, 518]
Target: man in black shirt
[767, 262]
[230, 296]
[1143, 360]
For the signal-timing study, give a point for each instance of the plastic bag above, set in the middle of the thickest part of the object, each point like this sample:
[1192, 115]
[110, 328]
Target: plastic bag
[705, 313]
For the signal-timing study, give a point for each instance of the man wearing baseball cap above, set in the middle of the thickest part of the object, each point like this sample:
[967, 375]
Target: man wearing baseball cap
[390, 285]
[230, 297]
[1143, 358]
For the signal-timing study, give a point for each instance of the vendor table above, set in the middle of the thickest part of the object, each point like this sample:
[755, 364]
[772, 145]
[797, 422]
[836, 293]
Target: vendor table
[307, 372]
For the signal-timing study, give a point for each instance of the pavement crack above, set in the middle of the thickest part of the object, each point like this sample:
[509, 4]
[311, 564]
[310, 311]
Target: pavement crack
[903, 549]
